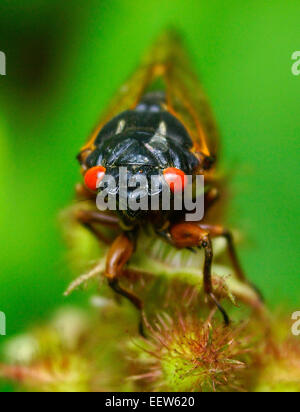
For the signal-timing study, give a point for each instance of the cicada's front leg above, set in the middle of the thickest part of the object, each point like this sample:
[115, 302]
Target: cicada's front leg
[118, 256]
[189, 235]
[120, 251]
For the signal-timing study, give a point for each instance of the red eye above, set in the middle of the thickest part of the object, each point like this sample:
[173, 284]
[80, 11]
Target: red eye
[175, 178]
[93, 177]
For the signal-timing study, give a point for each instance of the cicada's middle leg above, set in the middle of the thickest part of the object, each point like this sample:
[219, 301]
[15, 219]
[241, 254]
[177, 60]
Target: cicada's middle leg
[220, 231]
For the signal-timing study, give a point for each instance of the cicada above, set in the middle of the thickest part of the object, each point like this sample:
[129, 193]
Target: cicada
[161, 124]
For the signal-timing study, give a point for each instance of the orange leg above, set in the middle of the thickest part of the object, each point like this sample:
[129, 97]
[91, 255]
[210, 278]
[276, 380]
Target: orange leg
[120, 252]
[118, 256]
[220, 231]
[189, 235]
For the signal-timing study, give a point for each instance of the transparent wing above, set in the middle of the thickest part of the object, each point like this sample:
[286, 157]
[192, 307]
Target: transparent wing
[166, 66]
[187, 100]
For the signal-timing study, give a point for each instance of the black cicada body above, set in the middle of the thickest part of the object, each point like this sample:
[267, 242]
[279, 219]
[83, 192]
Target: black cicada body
[161, 125]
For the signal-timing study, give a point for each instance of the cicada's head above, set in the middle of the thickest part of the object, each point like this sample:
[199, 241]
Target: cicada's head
[130, 168]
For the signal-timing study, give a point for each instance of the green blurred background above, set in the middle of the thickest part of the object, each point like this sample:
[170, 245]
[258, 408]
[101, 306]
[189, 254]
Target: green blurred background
[64, 62]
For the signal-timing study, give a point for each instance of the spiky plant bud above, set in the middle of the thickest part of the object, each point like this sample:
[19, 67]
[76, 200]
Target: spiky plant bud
[187, 354]
[93, 351]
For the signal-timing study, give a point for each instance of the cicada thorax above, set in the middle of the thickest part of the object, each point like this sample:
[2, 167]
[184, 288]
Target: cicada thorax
[146, 136]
